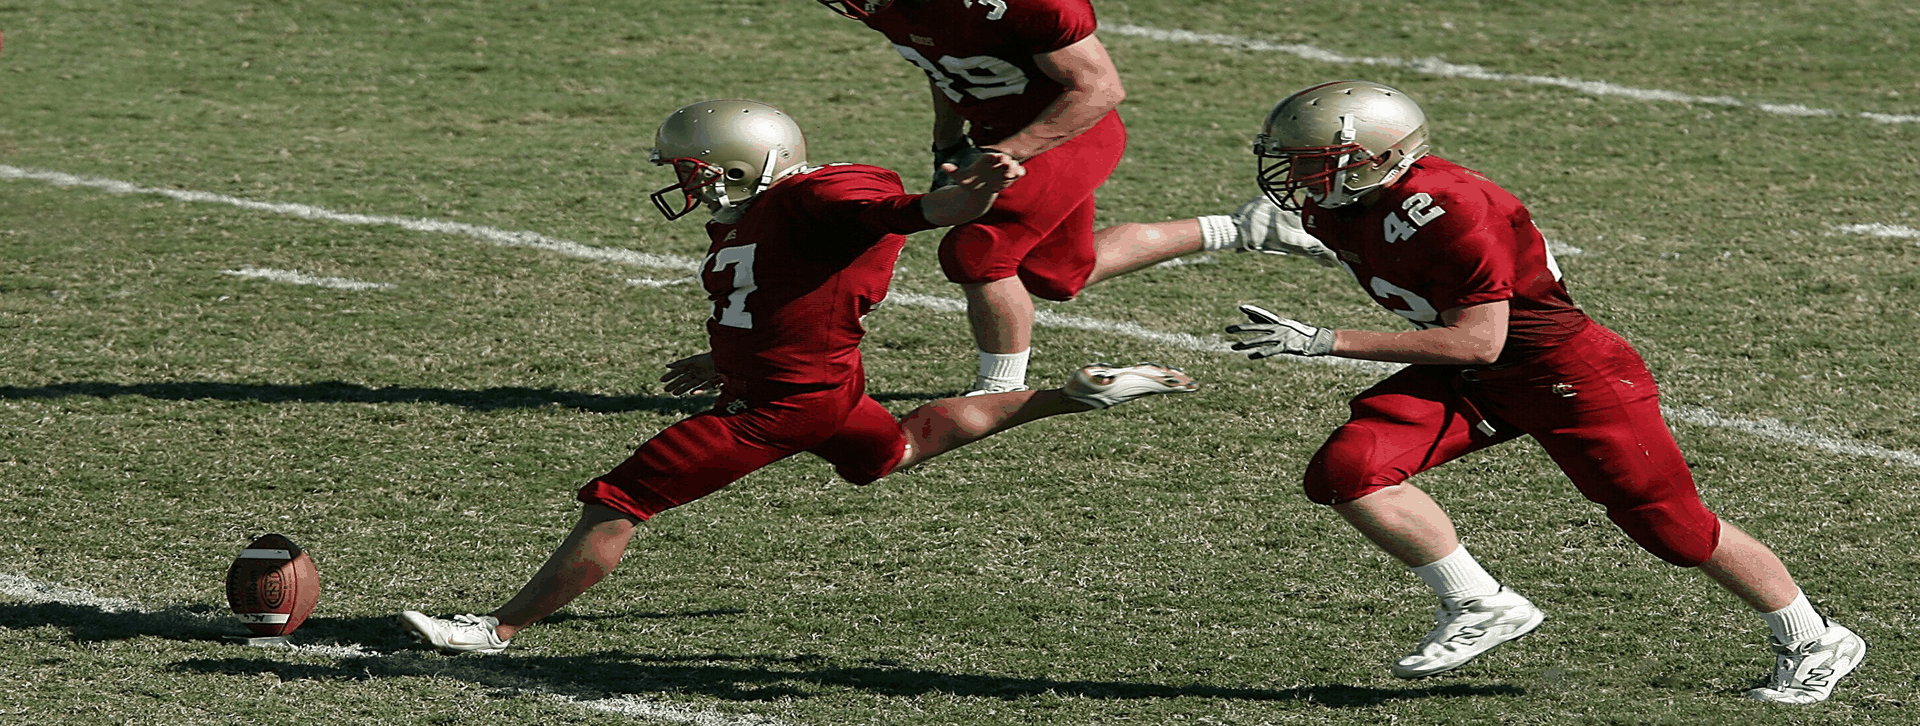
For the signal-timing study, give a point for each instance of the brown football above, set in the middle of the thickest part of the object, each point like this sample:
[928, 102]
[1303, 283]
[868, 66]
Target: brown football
[272, 586]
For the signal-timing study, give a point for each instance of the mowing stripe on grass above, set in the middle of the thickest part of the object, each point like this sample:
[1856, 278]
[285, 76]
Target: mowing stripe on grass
[1437, 67]
[1765, 428]
[185, 623]
[297, 277]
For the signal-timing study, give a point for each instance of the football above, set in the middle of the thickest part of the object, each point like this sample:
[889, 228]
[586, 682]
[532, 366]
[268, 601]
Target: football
[272, 586]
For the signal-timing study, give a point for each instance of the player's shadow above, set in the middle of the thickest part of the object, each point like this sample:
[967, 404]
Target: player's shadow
[109, 620]
[770, 678]
[486, 399]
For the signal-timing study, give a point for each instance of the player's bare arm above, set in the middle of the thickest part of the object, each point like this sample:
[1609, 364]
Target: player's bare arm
[1091, 89]
[949, 128]
[1467, 335]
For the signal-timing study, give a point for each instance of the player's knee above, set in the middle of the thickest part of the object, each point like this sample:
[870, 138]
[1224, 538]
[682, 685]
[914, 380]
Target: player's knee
[1679, 530]
[1342, 470]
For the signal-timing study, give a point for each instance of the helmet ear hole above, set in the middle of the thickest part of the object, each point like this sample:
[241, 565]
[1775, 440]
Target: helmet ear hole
[736, 173]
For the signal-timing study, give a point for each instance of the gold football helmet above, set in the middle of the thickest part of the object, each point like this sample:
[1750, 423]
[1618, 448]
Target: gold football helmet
[725, 153]
[1334, 142]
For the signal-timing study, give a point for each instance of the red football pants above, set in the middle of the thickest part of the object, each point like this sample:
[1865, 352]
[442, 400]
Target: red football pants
[1590, 403]
[1041, 228]
[704, 453]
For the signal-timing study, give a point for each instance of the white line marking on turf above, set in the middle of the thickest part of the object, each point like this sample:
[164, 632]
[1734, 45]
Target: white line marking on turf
[1437, 67]
[297, 277]
[485, 234]
[1880, 230]
[653, 711]
[1210, 344]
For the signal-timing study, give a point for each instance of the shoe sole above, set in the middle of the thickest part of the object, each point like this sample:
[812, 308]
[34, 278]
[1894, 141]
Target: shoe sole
[1539, 616]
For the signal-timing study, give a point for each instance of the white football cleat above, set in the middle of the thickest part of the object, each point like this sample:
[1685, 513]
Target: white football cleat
[458, 634]
[1265, 227]
[1806, 672]
[1464, 629]
[1102, 385]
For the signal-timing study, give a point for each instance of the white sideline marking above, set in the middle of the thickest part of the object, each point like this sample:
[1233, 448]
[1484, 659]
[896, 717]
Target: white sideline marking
[297, 277]
[1880, 230]
[31, 590]
[1437, 67]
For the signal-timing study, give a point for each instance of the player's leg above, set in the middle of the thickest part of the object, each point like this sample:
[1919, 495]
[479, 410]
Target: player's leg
[1400, 427]
[1129, 246]
[951, 423]
[872, 444]
[1616, 447]
[587, 555]
[1036, 241]
[688, 460]
[1000, 314]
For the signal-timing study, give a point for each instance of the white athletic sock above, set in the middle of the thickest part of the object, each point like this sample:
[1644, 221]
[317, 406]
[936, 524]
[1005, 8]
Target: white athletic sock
[1003, 369]
[1796, 622]
[1458, 576]
[1218, 232]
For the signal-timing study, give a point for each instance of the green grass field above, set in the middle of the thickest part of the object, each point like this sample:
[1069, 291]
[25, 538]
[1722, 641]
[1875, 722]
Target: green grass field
[1734, 185]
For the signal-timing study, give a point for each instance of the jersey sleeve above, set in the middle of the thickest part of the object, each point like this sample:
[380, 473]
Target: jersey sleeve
[863, 197]
[1477, 263]
[1049, 25]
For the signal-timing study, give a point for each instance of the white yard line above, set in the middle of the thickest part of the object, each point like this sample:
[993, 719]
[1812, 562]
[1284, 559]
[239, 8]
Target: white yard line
[1879, 230]
[296, 277]
[646, 710]
[1437, 67]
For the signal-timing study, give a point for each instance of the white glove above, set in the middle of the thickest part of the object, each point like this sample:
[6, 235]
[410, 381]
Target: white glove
[1280, 335]
[1265, 227]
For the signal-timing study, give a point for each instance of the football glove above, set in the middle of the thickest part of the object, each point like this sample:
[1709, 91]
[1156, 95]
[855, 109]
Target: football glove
[1275, 335]
[959, 153]
[1265, 227]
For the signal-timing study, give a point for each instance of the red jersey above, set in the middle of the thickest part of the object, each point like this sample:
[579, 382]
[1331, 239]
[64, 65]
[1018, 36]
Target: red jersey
[980, 53]
[1445, 237]
[792, 278]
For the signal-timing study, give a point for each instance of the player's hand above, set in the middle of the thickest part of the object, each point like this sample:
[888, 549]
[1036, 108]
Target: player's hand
[985, 170]
[957, 153]
[690, 375]
[1265, 227]
[1274, 335]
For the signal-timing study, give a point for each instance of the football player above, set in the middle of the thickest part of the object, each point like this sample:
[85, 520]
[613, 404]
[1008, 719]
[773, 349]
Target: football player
[1498, 352]
[799, 255]
[1029, 80]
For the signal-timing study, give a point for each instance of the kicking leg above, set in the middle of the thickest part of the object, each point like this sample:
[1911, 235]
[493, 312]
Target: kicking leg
[1126, 247]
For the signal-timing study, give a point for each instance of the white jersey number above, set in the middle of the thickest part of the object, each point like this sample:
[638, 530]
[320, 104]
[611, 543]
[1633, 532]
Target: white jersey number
[981, 76]
[734, 314]
[1420, 209]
